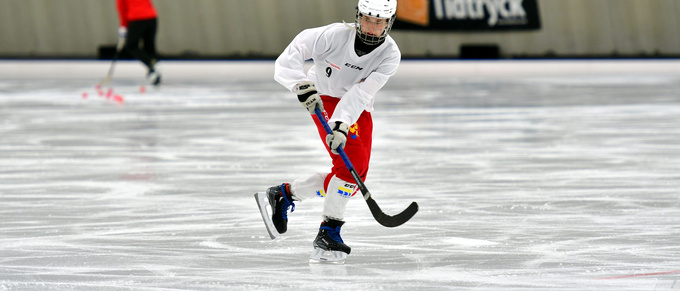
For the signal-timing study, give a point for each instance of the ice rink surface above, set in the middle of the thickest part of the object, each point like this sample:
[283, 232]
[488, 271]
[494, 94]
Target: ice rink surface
[530, 175]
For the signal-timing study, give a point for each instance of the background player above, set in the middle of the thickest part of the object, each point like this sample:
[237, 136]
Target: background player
[139, 22]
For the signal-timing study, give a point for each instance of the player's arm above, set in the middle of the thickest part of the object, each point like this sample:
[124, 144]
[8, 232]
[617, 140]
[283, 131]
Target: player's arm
[360, 96]
[122, 8]
[357, 99]
[289, 68]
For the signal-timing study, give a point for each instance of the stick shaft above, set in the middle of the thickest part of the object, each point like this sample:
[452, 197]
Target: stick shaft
[378, 214]
[345, 158]
[116, 55]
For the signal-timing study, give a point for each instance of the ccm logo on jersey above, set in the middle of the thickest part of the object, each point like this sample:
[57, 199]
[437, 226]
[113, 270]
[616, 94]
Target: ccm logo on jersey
[353, 66]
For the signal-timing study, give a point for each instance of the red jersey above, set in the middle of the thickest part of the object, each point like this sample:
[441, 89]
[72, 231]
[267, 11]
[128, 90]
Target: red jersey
[132, 10]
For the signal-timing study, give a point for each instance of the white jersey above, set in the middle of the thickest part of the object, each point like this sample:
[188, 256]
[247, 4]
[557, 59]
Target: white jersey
[338, 71]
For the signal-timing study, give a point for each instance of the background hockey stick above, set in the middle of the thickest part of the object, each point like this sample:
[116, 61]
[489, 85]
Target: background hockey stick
[119, 49]
[378, 214]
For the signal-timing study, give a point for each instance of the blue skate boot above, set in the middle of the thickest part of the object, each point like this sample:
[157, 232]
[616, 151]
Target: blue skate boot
[329, 238]
[280, 200]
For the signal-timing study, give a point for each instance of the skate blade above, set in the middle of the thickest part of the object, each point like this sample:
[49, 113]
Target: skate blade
[321, 256]
[262, 204]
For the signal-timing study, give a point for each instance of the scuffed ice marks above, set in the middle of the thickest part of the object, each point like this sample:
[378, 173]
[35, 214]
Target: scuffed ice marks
[525, 181]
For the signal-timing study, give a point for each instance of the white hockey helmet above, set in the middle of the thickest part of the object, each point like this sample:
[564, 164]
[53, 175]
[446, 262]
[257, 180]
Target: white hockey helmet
[383, 11]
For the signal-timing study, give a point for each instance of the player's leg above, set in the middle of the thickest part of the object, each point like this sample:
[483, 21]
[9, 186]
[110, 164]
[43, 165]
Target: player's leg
[339, 184]
[310, 187]
[338, 194]
[150, 54]
[134, 35]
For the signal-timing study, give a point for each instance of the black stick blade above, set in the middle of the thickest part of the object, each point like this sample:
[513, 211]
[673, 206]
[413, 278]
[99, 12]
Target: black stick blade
[388, 220]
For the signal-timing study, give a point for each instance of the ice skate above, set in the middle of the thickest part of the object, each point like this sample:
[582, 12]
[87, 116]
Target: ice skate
[280, 200]
[154, 76]
[262, 204]
[275, 216]
[328, 245]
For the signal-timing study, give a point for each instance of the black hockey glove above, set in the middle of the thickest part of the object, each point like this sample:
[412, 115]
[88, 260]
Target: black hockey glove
[339, 136]
[308, 97]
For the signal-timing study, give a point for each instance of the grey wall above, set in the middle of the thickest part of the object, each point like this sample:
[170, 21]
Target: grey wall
[215, 28]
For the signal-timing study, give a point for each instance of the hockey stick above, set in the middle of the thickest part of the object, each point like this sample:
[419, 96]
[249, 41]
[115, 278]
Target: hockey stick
[378, 214]
[119, 49]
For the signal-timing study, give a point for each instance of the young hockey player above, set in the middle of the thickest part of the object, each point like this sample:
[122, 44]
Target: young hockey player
[351, 63]
[139, 21]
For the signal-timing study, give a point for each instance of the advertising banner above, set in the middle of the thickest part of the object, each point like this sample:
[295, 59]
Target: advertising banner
[467, 15]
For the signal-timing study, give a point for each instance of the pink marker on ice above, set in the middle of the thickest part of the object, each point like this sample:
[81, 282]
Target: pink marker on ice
[119, 99]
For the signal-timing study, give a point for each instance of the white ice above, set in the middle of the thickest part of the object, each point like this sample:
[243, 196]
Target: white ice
[530, 175]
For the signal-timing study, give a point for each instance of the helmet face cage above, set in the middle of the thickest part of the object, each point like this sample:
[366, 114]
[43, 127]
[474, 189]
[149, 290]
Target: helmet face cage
[374, 19]
[370, 24]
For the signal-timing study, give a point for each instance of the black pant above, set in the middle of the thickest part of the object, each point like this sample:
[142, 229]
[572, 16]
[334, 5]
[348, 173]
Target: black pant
[144, 31]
